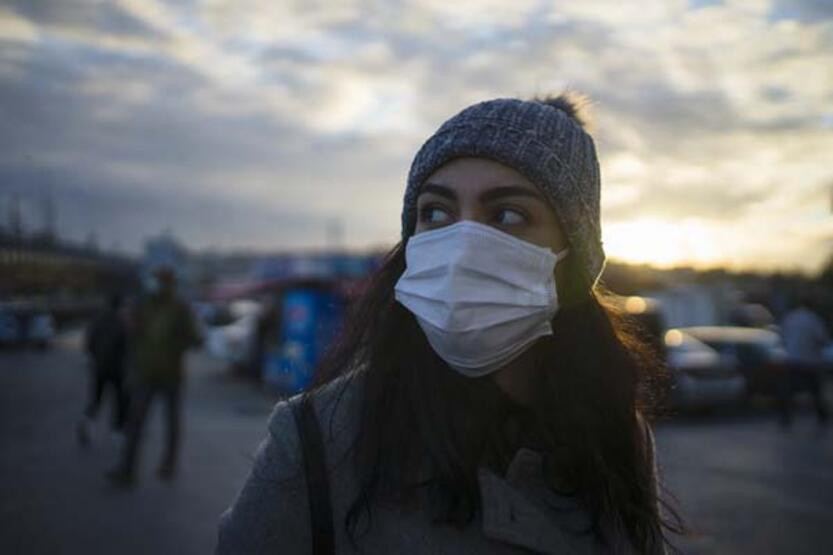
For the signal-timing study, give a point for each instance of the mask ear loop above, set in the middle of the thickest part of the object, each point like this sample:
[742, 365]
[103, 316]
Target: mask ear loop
[559, 256]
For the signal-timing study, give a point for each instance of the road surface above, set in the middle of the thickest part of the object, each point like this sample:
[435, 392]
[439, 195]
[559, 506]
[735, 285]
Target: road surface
[745, 485]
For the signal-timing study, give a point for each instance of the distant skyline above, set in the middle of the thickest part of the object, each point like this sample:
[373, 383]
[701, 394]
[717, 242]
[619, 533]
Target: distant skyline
[274, 125]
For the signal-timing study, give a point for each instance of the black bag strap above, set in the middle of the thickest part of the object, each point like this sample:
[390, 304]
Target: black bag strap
[318, 481]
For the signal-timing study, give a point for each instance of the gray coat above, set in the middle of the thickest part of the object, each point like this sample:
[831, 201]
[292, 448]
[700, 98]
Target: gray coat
[271, 513]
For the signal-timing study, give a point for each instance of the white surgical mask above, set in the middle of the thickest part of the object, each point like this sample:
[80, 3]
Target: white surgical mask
[481, 296]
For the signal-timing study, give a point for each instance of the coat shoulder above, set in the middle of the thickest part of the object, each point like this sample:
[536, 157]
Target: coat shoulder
[272, 509]
[337, 410]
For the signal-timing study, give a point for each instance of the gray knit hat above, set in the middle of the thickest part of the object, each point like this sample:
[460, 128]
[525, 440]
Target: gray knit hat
[538, 139]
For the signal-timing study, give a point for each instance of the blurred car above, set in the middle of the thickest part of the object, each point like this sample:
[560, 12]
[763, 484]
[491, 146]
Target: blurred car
[757, 354]
[10, 332]
[827, 354]
[233, 342]
[701, 376]
[827, 359]
[40, 329]
[210, 315]
[752, 315]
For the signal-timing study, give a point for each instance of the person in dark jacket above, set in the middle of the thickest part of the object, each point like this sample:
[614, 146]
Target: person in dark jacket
[805, 335]
[106, 345]
[267, 331]
[163, 330]
[484, 396]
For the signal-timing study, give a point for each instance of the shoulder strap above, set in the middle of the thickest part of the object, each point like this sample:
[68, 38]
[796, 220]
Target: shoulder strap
[318, 482]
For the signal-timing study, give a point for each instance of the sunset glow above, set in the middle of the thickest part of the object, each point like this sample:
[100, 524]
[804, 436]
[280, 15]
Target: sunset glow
[259, 124]
[663, 244]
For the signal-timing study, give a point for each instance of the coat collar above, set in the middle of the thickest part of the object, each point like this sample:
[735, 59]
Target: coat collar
[511, 515]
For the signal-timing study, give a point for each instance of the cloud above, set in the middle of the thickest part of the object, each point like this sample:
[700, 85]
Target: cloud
[15, 28]
[204, 112]
[807, 11]
[93, 15]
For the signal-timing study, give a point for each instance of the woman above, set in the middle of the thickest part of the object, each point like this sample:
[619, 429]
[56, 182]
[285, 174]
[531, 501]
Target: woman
[483, 397]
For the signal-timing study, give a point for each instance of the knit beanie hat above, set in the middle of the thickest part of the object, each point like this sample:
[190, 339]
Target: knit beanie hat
[542, 139]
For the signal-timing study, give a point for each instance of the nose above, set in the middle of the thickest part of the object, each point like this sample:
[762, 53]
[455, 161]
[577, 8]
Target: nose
[472, 212]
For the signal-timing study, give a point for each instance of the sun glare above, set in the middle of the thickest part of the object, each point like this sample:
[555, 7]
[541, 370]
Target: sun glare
[663, 244]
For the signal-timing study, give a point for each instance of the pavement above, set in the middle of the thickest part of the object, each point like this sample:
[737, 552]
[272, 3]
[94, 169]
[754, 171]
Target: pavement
[53, 494]
[747, 485]
[744, 484]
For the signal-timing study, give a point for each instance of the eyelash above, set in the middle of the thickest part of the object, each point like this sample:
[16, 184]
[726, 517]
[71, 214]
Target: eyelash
[522, 213]
[426, 211]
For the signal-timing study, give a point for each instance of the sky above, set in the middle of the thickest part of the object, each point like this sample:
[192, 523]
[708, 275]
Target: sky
[274, 125]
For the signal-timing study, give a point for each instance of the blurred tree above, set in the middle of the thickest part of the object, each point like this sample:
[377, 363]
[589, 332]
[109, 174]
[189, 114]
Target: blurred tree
[824, 292]
[825, 278]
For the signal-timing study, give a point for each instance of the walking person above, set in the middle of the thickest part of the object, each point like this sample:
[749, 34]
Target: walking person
[163, 330]
[805, 335]
[266, 333]
[483, 397]
[106, 345]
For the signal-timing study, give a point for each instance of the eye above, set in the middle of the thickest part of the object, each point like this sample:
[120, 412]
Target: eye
[433, 214]
[510, 217]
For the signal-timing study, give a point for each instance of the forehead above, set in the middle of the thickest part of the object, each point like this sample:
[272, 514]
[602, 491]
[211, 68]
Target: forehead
[477, 174]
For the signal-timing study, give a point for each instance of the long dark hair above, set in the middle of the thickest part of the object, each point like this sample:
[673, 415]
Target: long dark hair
[595, 377]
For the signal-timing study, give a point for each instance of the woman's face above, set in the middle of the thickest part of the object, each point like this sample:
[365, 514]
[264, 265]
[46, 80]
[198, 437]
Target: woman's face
[487, 192]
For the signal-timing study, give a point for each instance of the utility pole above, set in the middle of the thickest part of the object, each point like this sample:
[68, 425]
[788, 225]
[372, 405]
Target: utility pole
[15, 218]
[92, 241]
[49, 216]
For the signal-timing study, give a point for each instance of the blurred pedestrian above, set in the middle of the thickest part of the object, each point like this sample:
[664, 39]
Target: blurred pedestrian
[163, 330]
[483, 396]
[267, 331]
[805, 335]
[106, 345]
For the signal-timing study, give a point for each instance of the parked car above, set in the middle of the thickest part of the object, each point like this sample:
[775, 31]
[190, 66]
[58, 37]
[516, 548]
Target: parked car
[10, 332]
[827, 355]
[756, 353]
[233, 342]
[212, 314]
[701, 376]
[40, 329]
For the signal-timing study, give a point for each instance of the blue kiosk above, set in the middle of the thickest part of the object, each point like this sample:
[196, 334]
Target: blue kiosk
[310, 316]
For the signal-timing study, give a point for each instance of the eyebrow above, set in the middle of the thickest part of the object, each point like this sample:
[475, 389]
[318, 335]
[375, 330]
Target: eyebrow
[439, 190]
[489, 196]
[509, 191]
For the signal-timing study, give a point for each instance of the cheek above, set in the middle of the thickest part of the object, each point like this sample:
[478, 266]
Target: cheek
[555, 237]
[545, 230]
[547, 236]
